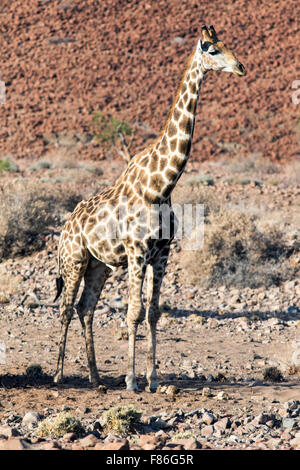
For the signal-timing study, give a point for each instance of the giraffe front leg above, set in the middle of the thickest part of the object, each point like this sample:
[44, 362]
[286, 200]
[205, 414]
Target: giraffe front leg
[131, 383]
[151, 373]
[151, 314]
[135, 315]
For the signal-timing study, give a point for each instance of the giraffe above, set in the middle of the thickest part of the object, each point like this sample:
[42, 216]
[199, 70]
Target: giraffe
[92, 243]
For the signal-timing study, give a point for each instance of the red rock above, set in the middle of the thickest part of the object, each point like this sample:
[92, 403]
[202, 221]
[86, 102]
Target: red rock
[88, 441]
[8, 431]
[207, 431]
[69, 437]
[51, 445]
[286, 435]
[117, 444]
[222, 424]
[149, 442]
[189, 444]
[14, 443]
[135, 447]
[99, 446]
[173, 446]
[295, 443]
[253, 105]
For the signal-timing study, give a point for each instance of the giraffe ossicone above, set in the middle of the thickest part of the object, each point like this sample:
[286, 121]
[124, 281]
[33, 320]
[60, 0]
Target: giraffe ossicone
[87, 252]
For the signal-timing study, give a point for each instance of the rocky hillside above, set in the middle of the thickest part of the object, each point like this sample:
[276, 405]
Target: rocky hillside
[61, 61]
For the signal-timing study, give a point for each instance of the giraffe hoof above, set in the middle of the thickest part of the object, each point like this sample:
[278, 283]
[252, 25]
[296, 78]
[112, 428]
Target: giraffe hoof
[152, 388]
[58, 379]
[95, 381]
[131, 386]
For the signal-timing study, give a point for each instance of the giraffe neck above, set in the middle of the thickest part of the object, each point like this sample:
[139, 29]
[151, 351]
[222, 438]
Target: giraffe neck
[169, 155]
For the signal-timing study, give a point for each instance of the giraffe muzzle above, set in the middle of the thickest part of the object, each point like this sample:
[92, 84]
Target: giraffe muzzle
[240, 70]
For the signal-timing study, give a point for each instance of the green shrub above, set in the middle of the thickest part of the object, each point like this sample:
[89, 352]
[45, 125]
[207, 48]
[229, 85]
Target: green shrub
[8, 165]
[107, 128]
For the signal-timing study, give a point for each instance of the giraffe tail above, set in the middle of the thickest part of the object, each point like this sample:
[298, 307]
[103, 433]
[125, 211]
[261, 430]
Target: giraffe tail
[59, 287]
[59, 279]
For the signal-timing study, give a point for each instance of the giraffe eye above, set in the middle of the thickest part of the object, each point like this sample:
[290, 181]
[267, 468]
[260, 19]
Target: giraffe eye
[214, 52]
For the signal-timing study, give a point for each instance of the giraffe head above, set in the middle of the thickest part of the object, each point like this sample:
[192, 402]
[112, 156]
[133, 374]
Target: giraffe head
[215, 55]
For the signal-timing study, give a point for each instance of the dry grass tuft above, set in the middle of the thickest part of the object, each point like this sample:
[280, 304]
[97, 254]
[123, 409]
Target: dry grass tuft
[35, 371]
[59, 425]
[195, 194]
[121, 420]
[220, 378]
[272, 374]
[183, 435]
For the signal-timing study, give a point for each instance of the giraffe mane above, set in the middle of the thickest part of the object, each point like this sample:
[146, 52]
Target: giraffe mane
[187, 65]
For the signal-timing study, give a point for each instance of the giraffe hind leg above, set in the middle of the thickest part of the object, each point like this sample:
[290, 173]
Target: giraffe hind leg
[71, 279]
[66, 314]
[94, 280]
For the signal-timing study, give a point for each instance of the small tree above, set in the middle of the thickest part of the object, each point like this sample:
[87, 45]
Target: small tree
[108, 130]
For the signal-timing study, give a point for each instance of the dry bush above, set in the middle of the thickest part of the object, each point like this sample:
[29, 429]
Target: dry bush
[291, 172]
[195, 194]
[254, 163]
[27, 210]
[237, 253]
[9, 283]
[62, 157]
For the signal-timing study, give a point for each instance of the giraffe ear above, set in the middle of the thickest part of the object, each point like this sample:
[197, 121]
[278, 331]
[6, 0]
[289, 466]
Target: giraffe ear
[206, 34]
[200, 46]
[213, 33]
